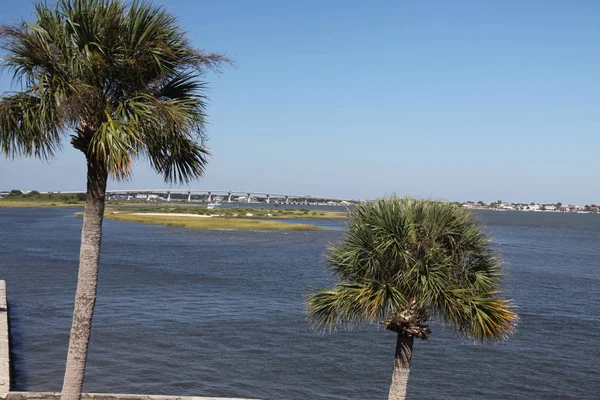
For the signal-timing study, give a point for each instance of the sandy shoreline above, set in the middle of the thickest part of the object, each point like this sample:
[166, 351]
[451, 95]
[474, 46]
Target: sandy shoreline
[203, 221]
[174, 215]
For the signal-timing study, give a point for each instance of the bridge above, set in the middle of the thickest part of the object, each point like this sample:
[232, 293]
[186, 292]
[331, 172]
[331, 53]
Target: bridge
[247, 195]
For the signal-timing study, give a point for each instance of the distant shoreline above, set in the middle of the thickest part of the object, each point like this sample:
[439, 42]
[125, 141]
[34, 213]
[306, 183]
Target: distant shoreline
[4, 203]
[532, 211]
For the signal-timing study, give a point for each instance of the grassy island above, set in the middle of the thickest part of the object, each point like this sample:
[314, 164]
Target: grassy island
[221, 218]
[240, 212]
[209, 219]
[199, 222]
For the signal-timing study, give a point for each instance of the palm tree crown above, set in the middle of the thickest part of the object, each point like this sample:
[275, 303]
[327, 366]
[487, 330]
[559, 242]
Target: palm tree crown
[404, 261]
[124, 80]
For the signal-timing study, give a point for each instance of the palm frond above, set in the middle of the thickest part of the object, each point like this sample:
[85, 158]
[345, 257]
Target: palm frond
[351, 302]
[115, 142]
[481, 316]
[178, 157]
[29, 126]
[124, 78]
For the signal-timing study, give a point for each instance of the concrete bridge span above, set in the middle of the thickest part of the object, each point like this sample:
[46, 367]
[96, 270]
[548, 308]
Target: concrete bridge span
[228, 193]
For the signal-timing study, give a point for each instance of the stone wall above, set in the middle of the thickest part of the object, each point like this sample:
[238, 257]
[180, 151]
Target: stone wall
[4, 342]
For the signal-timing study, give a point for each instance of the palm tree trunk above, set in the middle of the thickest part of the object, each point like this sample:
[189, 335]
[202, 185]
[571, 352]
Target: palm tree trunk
[87, 281]
[404, 345]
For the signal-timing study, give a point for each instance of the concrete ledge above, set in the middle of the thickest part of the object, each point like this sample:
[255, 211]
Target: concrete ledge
[4, 344]
[106, 396]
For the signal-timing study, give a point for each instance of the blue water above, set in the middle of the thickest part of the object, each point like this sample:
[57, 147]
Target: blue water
[219, 313]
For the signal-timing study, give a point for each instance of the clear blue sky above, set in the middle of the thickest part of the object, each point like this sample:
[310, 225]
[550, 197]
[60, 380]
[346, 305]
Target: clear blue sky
[458, 100]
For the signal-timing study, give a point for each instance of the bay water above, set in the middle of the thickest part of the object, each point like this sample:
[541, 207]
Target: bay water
[220, 313]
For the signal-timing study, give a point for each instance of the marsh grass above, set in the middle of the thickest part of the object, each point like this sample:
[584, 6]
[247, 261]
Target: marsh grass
[240, 212]
[34, 199]
[9, 202]
[6, 203]
[209, 222]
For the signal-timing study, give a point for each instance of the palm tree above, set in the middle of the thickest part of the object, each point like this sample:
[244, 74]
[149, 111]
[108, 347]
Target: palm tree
[125, 83]
[405, 261]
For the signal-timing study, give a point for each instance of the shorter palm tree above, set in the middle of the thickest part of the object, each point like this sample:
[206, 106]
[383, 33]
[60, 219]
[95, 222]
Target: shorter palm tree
[405, 261]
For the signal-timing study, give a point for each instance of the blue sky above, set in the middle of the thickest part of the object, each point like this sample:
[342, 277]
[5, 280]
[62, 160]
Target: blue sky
[461, 100]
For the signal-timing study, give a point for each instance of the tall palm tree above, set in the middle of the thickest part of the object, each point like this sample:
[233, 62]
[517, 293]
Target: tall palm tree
[405, 261]
[125, 83]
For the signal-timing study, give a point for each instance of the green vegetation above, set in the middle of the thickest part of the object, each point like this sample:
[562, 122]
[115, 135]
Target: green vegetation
[241, 212]
[208, 222]
[21, 203]
[16, 198]
[406, 261]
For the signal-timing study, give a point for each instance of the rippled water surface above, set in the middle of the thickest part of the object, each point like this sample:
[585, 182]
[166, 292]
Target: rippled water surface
[220, 313]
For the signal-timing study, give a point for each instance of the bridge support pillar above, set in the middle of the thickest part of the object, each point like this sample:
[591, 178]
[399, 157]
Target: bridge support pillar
[209, 199]
[249, 198]
[189, 196]
[168, 196]
[268, 198]
[229, 197]
[306, 201]
[287, 199]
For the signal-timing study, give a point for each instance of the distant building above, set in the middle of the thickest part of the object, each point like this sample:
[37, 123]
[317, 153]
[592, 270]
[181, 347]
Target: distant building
[574, 208]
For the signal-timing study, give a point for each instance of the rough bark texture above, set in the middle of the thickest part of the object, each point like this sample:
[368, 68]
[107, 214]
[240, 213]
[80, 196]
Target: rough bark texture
[87, 281]
[404, 346]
